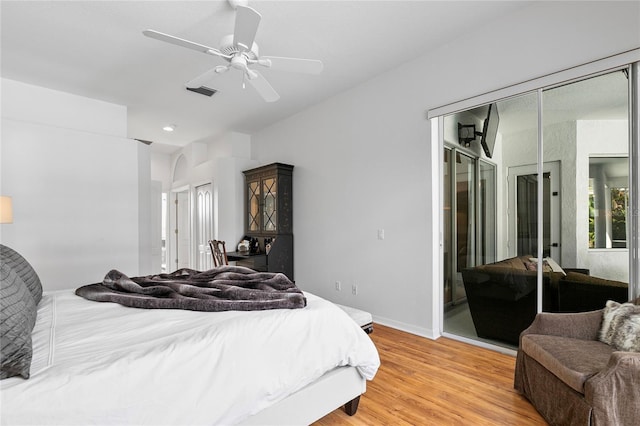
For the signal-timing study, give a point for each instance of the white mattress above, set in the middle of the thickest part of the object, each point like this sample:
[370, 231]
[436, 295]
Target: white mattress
[102, 363]
[361, 318]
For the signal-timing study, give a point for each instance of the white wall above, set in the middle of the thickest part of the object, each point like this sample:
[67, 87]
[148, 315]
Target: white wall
[148, 233]
[75, 181]
[361, 164]
[362, 158]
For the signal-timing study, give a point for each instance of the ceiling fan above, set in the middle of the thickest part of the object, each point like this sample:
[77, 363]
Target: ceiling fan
[241, 52]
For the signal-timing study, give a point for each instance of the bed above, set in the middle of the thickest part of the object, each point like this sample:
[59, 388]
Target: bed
[103, 363]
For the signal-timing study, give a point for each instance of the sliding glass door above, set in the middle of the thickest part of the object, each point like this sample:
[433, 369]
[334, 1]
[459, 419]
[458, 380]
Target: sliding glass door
[489, 144]
[536, 216]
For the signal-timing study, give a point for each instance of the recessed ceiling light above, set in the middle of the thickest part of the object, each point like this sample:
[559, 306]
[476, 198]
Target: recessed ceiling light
[169, 128]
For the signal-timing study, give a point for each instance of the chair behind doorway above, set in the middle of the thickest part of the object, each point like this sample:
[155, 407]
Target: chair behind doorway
[219, 253]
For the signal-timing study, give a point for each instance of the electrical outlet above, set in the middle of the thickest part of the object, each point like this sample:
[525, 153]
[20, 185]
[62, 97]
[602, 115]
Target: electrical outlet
[354, 289]
[381, 234]
[338, 286]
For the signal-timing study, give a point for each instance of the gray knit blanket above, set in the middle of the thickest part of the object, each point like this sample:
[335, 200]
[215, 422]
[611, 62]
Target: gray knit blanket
[225, 288]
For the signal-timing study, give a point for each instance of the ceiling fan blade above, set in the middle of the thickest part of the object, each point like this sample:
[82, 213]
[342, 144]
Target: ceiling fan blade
[247, 20]
[183, 43]
[200, 80]
[307, 66]
[263, 87]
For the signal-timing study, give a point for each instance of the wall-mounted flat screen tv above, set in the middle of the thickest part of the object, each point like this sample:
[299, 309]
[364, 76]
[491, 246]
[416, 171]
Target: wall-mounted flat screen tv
[490, 130]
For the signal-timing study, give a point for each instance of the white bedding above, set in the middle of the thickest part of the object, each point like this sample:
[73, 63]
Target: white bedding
[102, 363]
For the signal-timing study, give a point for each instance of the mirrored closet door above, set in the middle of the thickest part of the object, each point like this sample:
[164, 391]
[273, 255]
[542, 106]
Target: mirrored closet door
[536, 200]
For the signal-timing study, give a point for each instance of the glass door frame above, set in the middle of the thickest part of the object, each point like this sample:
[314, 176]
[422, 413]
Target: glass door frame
[471, 235]
[480, 250]
[475, 189]
[629, 60]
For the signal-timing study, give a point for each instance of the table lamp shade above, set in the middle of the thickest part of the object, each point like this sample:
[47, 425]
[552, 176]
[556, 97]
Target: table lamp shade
[6, 210]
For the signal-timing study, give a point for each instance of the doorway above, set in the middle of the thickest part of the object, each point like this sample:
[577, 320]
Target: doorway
[523, 210]
[204, 226]
[181, 229]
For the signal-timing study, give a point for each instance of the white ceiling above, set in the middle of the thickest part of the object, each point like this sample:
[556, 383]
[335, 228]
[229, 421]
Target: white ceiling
[96, 49]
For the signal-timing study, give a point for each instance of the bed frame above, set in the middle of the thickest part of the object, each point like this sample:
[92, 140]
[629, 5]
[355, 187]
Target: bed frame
[340, 386]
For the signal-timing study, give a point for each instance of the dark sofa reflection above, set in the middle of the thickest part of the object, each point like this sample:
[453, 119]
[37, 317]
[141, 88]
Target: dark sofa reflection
[502, 296]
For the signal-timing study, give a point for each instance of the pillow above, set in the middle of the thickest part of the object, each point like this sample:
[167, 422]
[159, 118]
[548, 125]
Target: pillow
[554, 265]
[548, 265]
[17, 318]
[621, 326]
[23, 269]
[513, 262]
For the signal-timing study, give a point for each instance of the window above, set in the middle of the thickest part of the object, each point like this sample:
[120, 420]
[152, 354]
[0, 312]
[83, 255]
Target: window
[608, 202]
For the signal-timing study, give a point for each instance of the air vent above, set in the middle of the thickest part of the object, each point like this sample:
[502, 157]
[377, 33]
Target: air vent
[203, 90]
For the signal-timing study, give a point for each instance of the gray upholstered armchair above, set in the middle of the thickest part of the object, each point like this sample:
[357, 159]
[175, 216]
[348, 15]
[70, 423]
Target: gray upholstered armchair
[574, 379]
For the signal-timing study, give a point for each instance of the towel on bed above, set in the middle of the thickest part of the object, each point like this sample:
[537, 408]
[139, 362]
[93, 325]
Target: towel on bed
[225, 288]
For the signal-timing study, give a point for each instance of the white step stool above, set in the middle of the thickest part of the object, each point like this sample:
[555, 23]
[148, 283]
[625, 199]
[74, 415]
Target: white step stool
[362, 318]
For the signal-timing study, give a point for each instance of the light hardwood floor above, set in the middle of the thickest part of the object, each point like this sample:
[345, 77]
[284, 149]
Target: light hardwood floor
[441, 382]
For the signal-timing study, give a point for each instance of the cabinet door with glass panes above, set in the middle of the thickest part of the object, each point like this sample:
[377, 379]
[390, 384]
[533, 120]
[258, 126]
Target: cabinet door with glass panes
[269, 206]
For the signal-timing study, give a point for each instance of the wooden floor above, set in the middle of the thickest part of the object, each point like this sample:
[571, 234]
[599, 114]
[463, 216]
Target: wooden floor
[441, 382]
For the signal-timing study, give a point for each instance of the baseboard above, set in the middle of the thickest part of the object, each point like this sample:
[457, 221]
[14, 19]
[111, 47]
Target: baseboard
[409, 328]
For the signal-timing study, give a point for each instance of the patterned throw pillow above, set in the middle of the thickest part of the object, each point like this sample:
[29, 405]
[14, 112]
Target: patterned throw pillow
[621, 326]
[17, 318]
[23, 269]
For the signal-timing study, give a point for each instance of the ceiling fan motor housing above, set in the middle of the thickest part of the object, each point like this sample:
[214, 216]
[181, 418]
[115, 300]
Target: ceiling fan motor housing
[236, 3]
[229, 48]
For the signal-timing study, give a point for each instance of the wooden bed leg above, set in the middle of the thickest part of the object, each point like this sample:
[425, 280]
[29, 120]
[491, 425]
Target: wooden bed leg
[352, 406]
